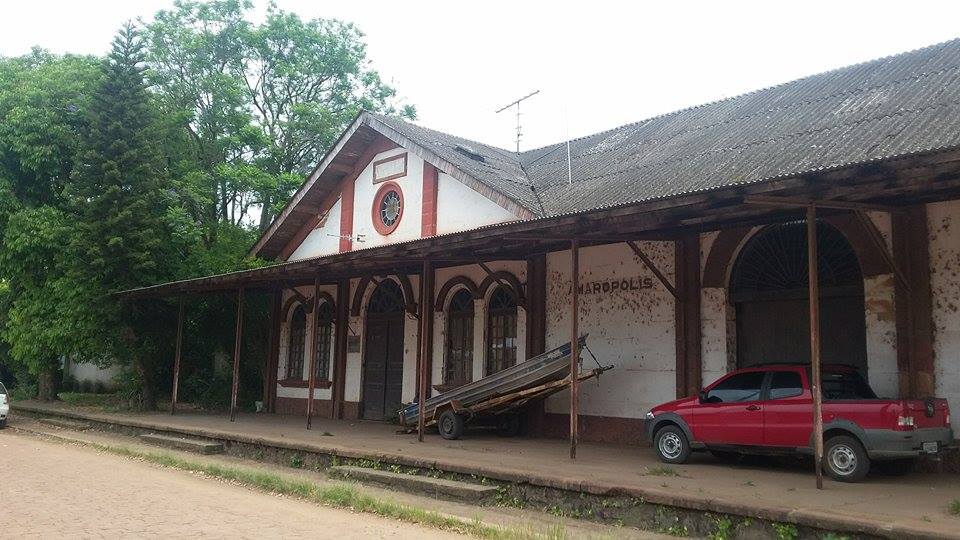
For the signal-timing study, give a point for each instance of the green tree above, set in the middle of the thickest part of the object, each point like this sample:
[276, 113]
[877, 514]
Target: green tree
[273, 95]
[43, 98]
[122, 196]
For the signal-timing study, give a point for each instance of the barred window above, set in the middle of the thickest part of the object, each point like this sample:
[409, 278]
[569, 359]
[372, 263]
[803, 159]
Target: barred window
[324, 335]
[458, 368]
[501, 331]
[298, 334]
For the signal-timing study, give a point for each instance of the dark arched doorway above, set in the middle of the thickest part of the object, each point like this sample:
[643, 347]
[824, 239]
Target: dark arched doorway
[768, 288]
[383, 352]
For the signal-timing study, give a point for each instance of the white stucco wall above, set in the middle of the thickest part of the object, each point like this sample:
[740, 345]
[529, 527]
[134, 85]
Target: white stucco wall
[943, 221]
[460, 208]
[631, 329]
[87, 371]
[365, 190]
[324, 239]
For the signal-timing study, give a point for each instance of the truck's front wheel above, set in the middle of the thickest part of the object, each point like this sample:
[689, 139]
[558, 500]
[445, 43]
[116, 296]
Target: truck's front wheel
[844, 459]
[672, 445]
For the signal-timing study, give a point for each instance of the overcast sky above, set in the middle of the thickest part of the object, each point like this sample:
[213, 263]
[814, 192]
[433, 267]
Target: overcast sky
[597, 64]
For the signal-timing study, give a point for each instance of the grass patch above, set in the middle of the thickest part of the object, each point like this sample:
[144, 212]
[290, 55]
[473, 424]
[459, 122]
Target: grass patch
[84, 399]
[661, 471]
[954, 507]
[339, 496]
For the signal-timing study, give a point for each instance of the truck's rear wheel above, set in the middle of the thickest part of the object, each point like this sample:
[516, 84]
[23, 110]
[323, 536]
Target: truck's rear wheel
[844, 459]
[450, 425]
[672, 445]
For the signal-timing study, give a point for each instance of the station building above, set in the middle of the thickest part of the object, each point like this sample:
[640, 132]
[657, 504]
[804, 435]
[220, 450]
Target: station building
[409, 247]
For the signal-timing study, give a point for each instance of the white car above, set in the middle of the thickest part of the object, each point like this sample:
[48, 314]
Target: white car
[4, 406]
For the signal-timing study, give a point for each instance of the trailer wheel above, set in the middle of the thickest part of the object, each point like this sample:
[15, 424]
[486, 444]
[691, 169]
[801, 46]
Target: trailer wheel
[450, 425]
[509, 425]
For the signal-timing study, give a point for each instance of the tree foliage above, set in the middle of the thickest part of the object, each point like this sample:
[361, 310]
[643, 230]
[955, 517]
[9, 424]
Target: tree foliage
[162, 161]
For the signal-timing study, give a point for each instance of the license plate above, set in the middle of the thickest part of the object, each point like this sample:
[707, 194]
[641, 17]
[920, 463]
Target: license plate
[931, 447]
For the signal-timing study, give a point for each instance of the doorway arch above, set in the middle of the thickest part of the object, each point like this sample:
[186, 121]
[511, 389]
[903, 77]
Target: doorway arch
[768, 288]
[383, 352]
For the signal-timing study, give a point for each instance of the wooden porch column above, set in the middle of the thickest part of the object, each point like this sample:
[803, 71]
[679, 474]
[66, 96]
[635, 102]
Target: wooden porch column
[176, 359]
[425, 353]
[574, 344]
[236, 356]
[340, 347]
[914, 308]
[273, 352]
[813, 284]
[312, 377]
[687, 314]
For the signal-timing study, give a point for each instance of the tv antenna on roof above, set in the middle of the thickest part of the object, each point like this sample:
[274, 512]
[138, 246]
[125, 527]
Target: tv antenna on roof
[517, 105]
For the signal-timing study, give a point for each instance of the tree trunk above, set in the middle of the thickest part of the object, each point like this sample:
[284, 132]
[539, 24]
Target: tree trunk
[48, 383]
[148, 391]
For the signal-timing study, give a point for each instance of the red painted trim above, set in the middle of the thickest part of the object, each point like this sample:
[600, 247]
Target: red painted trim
[346, 214]
[428, 217]
[375, 208]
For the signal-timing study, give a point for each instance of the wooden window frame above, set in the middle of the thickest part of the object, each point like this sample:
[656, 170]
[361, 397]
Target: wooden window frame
[493, 316]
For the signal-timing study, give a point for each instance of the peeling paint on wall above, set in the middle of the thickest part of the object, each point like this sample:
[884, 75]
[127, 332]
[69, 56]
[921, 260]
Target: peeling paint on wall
[943, 222]
[632, 329]
[881, 333]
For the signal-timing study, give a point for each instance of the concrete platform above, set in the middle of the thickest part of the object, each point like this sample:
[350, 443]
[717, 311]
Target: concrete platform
[183, 443]
[913, 506]
[423, 485]
[65, 423]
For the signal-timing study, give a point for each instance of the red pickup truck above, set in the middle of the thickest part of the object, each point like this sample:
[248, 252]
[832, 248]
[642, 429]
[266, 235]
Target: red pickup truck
[769, 410]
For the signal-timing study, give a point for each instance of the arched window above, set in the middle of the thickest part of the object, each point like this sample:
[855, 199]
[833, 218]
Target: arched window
[324, 335]
[458, 368]
[298, 334]
[768, 288]
[501, 330]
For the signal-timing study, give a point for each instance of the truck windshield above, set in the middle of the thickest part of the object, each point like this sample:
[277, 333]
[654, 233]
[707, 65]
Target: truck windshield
[845, 385]
[3, 389]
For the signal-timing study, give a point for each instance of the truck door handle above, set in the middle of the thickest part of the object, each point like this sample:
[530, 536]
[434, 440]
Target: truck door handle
[753, 407]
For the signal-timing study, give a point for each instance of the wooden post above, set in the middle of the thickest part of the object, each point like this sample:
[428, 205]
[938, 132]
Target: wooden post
[314, 324]
[574, 344]
[813, 281]
[176, 359]
[426, 342]
[236, 356]
[340, 349]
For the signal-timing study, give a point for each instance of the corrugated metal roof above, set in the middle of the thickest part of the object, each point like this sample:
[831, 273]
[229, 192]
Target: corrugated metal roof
[876, 110]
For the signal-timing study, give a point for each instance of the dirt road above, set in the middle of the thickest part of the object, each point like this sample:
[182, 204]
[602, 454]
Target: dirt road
[55, 490]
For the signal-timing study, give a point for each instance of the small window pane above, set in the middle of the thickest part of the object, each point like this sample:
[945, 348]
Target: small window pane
[742, 387]
[785, 384]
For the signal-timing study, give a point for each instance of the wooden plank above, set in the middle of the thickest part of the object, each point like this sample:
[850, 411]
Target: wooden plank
[574, 345]
[653, 268]
[340, 354]
[800, 202]
[425, 336]
[176, 359]
[236, 356]
[813, 281]
[312, 349]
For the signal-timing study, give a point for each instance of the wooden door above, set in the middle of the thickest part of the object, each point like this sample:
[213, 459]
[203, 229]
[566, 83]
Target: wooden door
[383, 368]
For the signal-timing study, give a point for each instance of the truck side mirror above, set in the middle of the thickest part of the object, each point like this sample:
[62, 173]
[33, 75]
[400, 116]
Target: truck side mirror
[703, 396]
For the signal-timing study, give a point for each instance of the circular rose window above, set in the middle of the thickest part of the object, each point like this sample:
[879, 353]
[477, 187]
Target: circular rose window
[387, 208]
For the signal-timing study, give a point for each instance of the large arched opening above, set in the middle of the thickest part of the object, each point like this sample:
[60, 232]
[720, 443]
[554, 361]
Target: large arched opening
[768, 288]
